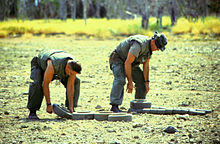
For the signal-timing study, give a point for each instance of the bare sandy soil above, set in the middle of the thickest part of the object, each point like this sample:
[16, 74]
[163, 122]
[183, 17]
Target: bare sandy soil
[186, 74]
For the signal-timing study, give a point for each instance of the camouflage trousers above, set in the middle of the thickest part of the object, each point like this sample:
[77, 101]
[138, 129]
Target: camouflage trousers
[117, 91]
[36, 94]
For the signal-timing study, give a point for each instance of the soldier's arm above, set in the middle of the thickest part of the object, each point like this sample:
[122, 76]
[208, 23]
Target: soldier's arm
[132, 54]
[48, 75]
[146, 74]
[130, 59]
[70, 91]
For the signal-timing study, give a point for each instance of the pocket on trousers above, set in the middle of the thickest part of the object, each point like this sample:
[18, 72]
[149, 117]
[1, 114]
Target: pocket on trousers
[36, 74]
[118, 71]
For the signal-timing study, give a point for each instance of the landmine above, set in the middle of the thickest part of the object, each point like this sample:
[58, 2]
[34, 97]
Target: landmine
[88, 115]
[64, 113]
[138, 104]
[101, 116]
[125, 117]
[142, 106]
[60, 111]
[82, 116]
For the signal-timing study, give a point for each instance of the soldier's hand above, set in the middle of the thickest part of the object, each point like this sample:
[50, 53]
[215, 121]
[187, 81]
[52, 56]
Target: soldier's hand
[50, 109]
[147, 87]
[130, 87]
[71, 109]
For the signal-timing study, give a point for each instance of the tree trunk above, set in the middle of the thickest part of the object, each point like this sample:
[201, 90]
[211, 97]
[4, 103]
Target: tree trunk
[98, 8]
[204, 8]
[51, 10]
[107, 5]
[72, 4]
[161, 22]
[62, 9]
[159, 13]
[84, 10]
[2, 9]
[122, 8]
[119, 9]
[45, 11]
[115, 7]
[22, 9]
[145, 16]
[173, 20]
[111, 8]
[30, 9]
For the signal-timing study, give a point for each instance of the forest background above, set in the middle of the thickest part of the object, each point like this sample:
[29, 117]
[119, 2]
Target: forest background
[110, 18]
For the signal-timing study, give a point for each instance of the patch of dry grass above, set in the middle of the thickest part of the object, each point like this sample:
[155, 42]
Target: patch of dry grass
[210, 25]
[103, 28]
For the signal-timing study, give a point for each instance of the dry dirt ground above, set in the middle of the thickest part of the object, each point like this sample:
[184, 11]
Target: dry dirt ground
[186, 74]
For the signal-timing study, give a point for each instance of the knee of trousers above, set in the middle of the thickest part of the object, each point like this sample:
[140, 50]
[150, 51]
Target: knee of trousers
[35, 88]
[120, 81]
[35, 85]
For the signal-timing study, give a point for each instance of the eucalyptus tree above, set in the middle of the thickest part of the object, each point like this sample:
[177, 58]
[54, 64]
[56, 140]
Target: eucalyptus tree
[145, 16]
[63, 9]
[72, 4]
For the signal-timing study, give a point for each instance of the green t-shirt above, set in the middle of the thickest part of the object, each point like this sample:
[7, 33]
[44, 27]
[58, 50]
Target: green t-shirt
[59, 60]
[138, 45]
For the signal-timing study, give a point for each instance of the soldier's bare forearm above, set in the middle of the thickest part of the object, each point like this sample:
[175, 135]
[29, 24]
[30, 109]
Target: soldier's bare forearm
[146, 70]
[128, 72]
[46, 93]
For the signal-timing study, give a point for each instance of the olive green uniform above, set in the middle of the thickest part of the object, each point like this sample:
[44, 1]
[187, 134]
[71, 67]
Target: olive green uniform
[38, 66]
[139, 46]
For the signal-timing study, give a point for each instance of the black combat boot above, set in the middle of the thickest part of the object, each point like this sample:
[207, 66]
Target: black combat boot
[115, 109]
[33, 115]
[119, 109]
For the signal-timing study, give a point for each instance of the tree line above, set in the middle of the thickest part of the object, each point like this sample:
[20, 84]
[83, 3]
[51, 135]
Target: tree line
[123, 9]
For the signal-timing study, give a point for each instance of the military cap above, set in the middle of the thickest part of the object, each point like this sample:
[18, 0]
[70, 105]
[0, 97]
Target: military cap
[160, 41]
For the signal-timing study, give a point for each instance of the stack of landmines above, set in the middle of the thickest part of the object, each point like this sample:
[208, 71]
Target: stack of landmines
[88, 115]
[142, 106]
